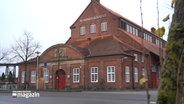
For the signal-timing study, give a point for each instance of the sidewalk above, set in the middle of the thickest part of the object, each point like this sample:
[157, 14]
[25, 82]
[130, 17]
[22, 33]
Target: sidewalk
[142, 92]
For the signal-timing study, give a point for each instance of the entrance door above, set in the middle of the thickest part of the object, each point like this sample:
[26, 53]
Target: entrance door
[154, 79]
[60, 79]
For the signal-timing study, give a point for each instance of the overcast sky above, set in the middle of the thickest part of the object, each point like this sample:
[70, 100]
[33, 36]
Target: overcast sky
[49, 20]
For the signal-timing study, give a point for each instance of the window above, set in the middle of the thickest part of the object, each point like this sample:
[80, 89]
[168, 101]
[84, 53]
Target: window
[127, 74]
[142, 58]
[94, 74]
[82, 30]
[161, 44]
[131, 29]
[150, 38]
[104, 26]
[136, 74]
[135, 57]
[143, 72]
[76, 73]
[145, 36]
[136, 32]
[23, 77]
[127, 28]
[33, 76]
[110, 73]
[122, 24]
[157, 42]
[46, 75]
[92, 29]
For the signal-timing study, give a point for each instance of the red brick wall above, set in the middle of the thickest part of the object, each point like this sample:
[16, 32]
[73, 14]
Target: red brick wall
[94, 10]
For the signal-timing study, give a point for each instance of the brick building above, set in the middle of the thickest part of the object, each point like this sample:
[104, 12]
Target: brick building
[105, 49]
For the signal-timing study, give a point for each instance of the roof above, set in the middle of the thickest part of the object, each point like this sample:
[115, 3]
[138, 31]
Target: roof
[107, 46]
[116, 44]
[146, 44]
[120, 16]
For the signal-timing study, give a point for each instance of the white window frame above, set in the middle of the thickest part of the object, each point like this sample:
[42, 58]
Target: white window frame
[145, 36]
[150, 38]
[82, 30]
[111, 74]
[142, 58]
[136, 32]
[46, 75]
[135, 57]
[92, 28]
[143, 72]
[23, 77]
[104, 26]
[76, 75]
[127, 74]
[33, 76]
[131, 29]
[94, 74]
[136, 77]
[157, 42]
[127, 28]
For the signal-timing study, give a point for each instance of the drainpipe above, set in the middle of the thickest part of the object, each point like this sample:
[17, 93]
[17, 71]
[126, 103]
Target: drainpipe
[133, 72]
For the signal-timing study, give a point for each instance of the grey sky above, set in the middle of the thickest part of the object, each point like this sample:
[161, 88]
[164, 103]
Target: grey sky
[49, 20]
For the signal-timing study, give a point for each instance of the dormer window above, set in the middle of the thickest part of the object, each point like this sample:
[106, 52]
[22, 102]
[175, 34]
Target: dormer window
[92, 28]
[135, 57]
[104, 26]
[82, 30]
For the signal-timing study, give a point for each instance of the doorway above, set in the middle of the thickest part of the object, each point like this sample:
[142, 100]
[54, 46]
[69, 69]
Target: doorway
[154, 79]
[60, 79]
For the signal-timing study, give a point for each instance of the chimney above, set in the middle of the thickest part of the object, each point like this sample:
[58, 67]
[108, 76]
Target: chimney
[96, 0]
[153, 30]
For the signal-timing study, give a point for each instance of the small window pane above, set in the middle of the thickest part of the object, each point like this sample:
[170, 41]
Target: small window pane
[136, 57]
[127, 74]
[110, 73]
[76, 74]
[33, 76]
[82, 30]
[104, 26]
[23, 77]
[136, 74]
[92, 28]
[94, 74]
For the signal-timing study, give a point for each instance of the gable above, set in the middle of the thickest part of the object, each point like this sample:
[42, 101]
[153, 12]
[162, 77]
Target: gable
[64, 52]
[94, 14]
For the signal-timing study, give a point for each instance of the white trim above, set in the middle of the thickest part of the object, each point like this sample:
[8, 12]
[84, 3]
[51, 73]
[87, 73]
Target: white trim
[104, 26]
[136, 75]
[33, 76]
[92, 28]
[127, 74]
[94, 74]
[76, 75]
[111, 77]
[23, 77]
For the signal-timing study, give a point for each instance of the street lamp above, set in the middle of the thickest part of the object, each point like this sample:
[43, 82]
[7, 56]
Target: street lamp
[37, 52]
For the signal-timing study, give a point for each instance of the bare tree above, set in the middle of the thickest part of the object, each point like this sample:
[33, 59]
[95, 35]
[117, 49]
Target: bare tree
[25, 49]
[3, 54]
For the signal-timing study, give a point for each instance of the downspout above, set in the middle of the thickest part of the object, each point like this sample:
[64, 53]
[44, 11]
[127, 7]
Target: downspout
[133, 72]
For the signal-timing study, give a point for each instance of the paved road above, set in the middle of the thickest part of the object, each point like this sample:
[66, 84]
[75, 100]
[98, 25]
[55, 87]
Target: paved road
[123, 97]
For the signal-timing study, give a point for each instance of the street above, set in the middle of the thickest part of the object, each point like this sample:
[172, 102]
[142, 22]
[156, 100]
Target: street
[121, 97]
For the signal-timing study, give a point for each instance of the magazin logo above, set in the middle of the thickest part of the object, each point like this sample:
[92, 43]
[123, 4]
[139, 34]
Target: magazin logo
[24, 94]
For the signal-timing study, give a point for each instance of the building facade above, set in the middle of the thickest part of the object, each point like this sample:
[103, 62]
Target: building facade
[105, 50]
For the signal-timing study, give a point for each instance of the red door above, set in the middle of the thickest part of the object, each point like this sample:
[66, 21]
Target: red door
[60, 81]
[154, 79]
